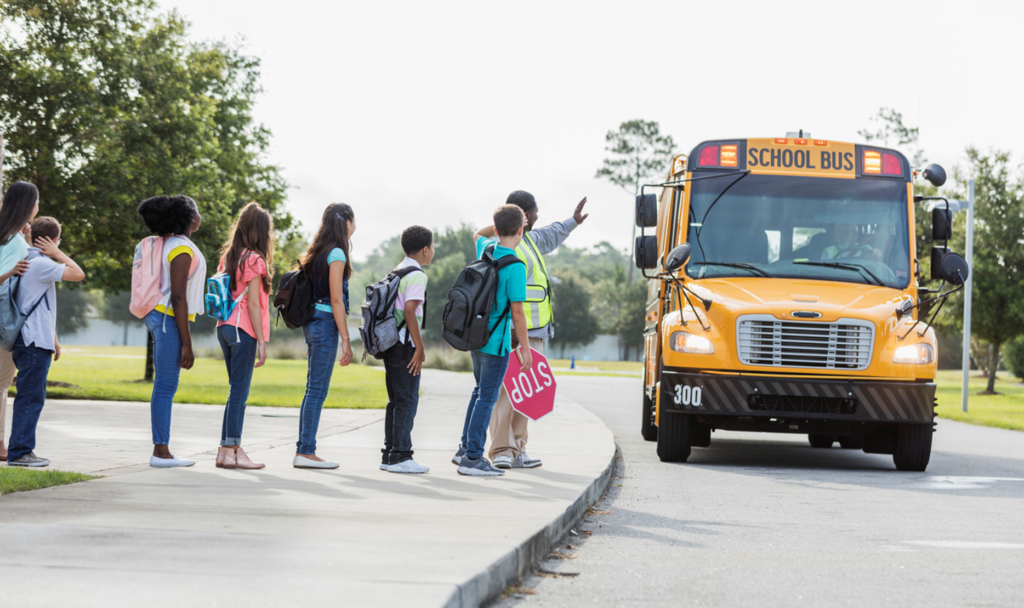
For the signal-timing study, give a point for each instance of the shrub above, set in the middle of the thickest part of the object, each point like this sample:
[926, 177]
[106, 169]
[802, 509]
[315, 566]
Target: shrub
[447, 358]
[1013, 356]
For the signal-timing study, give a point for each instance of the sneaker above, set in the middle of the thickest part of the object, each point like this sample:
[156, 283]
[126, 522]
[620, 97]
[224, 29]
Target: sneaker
[170, 463]
[29, 460]
[523, 461]
[383, 467]
[478, 468]
[408, 466]
[503, 461]
[457, 458]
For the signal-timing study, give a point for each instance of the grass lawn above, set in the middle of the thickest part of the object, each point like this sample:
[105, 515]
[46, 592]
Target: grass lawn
[113, 373]
[1005, 410]
[20, 479]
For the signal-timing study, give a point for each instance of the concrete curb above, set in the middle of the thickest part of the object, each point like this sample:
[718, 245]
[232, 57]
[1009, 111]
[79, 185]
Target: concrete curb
[491, 583]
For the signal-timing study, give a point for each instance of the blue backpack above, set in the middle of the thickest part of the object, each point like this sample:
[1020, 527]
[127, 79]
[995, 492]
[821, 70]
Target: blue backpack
[219, 303]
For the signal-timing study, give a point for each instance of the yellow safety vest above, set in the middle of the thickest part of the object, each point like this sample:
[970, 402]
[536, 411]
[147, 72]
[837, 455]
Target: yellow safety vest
[538, 293]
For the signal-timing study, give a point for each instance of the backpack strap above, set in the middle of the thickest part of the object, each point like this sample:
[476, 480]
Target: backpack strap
[36, 305]
[401, 273]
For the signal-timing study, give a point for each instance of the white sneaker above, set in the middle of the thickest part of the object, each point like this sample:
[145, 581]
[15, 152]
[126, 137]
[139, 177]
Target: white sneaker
[503, 461]
[407, 466]
[169, 463]
[301, 462]
[523, 461]
[384, 467]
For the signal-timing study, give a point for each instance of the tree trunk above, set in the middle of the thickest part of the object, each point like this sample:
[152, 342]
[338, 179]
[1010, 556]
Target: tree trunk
[992, 369]
[149, 357]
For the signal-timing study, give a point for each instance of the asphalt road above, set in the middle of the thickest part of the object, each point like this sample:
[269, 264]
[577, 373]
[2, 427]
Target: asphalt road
[766, 520]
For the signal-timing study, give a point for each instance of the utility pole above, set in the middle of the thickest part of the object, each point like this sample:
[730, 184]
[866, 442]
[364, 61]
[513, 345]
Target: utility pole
[967, 295]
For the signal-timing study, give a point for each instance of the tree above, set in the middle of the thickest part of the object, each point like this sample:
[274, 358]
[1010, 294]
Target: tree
[620, 308]
[104, 104]
[998, 272]
[892, 128]
[575, 322]
[74, 306]
[114, 308]
[640, 153]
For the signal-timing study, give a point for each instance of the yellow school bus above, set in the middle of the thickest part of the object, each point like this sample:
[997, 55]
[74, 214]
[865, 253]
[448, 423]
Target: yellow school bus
[783, 297]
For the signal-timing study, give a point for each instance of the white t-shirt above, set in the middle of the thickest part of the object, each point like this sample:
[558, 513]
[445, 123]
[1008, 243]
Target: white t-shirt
[196, 281]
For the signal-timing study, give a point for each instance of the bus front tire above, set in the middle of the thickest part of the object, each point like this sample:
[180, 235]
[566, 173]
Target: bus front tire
[913, 447]
[647, 429]
[821, 441]
[674, 436]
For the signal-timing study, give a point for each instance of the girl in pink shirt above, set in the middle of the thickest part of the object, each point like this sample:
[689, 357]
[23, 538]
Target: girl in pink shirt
[248, 257]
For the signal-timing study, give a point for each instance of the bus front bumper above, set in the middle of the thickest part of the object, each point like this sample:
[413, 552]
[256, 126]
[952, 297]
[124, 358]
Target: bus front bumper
[771, 397]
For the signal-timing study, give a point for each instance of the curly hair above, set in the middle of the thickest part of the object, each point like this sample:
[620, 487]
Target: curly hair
[415, 238]
[168, 215]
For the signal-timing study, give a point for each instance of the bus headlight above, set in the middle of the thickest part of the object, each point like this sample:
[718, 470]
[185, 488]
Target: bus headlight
[685, 342]
[915, 354]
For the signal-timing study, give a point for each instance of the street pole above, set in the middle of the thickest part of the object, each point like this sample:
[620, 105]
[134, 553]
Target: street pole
[967, 295]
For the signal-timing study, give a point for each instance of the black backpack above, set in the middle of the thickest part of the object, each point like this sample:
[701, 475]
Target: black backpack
[294, 299]
[466, 315]
[379, 331]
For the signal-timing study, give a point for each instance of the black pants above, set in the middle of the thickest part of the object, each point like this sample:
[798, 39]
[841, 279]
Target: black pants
[403, 398]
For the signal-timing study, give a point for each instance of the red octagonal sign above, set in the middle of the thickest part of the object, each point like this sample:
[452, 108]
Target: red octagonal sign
[532, 392]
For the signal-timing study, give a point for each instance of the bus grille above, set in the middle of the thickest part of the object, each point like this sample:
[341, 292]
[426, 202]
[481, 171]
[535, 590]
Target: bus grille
[764, 340]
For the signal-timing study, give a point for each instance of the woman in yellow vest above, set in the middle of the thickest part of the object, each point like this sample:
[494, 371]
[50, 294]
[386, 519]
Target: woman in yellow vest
[508, 427]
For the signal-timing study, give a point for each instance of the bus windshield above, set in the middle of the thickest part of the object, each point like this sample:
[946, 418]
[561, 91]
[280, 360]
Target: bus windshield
[852, 230]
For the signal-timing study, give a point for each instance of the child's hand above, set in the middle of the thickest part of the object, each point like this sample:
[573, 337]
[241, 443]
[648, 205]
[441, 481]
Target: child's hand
[416, 364]
[56, 350]
[20, 267]
[47, 246]
[187, 359]
[346, 354]
[527, 360]
[261, 351]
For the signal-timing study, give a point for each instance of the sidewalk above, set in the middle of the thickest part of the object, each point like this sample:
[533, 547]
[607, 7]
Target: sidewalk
[355, 536]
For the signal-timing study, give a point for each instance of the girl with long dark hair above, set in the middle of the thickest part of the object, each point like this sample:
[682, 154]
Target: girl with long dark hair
[20, 206]
[182, 279]
[328, 264]
[248, 258]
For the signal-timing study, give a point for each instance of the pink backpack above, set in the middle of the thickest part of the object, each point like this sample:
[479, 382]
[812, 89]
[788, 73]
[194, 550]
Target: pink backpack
[147, 270]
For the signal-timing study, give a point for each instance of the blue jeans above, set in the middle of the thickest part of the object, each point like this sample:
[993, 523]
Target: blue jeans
[166, 370]
[239, 350]
[33, 366]
[489, 372]
[403, 399]
[321, 335]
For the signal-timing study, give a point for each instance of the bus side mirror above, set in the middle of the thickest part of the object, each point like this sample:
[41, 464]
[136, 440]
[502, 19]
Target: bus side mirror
[646, 210]
[646, 252]
[937, 255]
[954, 269]
[942, 224]
[934, 174]
[677, 257]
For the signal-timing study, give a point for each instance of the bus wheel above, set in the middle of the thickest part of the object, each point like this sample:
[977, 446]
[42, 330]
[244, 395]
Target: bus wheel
[647, 428]
[851, 442]
[674, 436]
[821, 441]
[913, 447]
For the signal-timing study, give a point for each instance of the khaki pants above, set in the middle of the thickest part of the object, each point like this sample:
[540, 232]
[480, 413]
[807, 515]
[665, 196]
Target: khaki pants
[7, 370]
[508, 427]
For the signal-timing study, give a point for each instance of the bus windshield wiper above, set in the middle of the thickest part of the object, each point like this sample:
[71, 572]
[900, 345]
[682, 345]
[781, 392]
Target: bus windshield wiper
[742, 265]
[846, 266]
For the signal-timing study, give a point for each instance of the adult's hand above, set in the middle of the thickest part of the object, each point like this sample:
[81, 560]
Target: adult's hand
[579, 216]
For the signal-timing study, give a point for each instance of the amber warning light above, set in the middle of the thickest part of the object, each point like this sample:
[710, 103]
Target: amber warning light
[719, 156]
[882, 163]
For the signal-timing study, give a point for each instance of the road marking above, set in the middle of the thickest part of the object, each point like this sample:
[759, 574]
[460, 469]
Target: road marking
[957, 544]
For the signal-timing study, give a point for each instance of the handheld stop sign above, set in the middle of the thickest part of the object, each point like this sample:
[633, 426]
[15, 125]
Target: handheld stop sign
[532, 392]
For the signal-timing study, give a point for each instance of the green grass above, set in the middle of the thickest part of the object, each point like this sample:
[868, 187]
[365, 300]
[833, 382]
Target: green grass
[20, 479]
[114, 372]
[605, 366]
[1005, 410]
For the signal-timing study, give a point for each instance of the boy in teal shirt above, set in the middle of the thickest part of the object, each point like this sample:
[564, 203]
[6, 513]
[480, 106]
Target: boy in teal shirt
[491, 361]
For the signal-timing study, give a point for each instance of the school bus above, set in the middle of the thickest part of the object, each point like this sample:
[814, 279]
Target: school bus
[784, 297]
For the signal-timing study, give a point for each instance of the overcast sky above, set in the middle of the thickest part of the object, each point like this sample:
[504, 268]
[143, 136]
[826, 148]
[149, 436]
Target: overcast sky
[432, 112]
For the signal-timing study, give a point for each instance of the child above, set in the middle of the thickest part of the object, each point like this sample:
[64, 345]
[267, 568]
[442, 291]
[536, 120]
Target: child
[248, 253]
[403, 361]
[37, 297]
[327, 265]
[490, 362]
[21, 203]
[182, 279]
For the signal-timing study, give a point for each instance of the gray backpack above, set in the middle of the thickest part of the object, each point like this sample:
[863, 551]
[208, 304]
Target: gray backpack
[11, 317]
[379, 331]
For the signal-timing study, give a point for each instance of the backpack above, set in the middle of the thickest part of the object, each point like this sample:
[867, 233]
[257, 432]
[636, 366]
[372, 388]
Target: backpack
[11, 319]
[379, 331]
[147, 270]
[294, 299]
[471, 300]
[219, 303]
